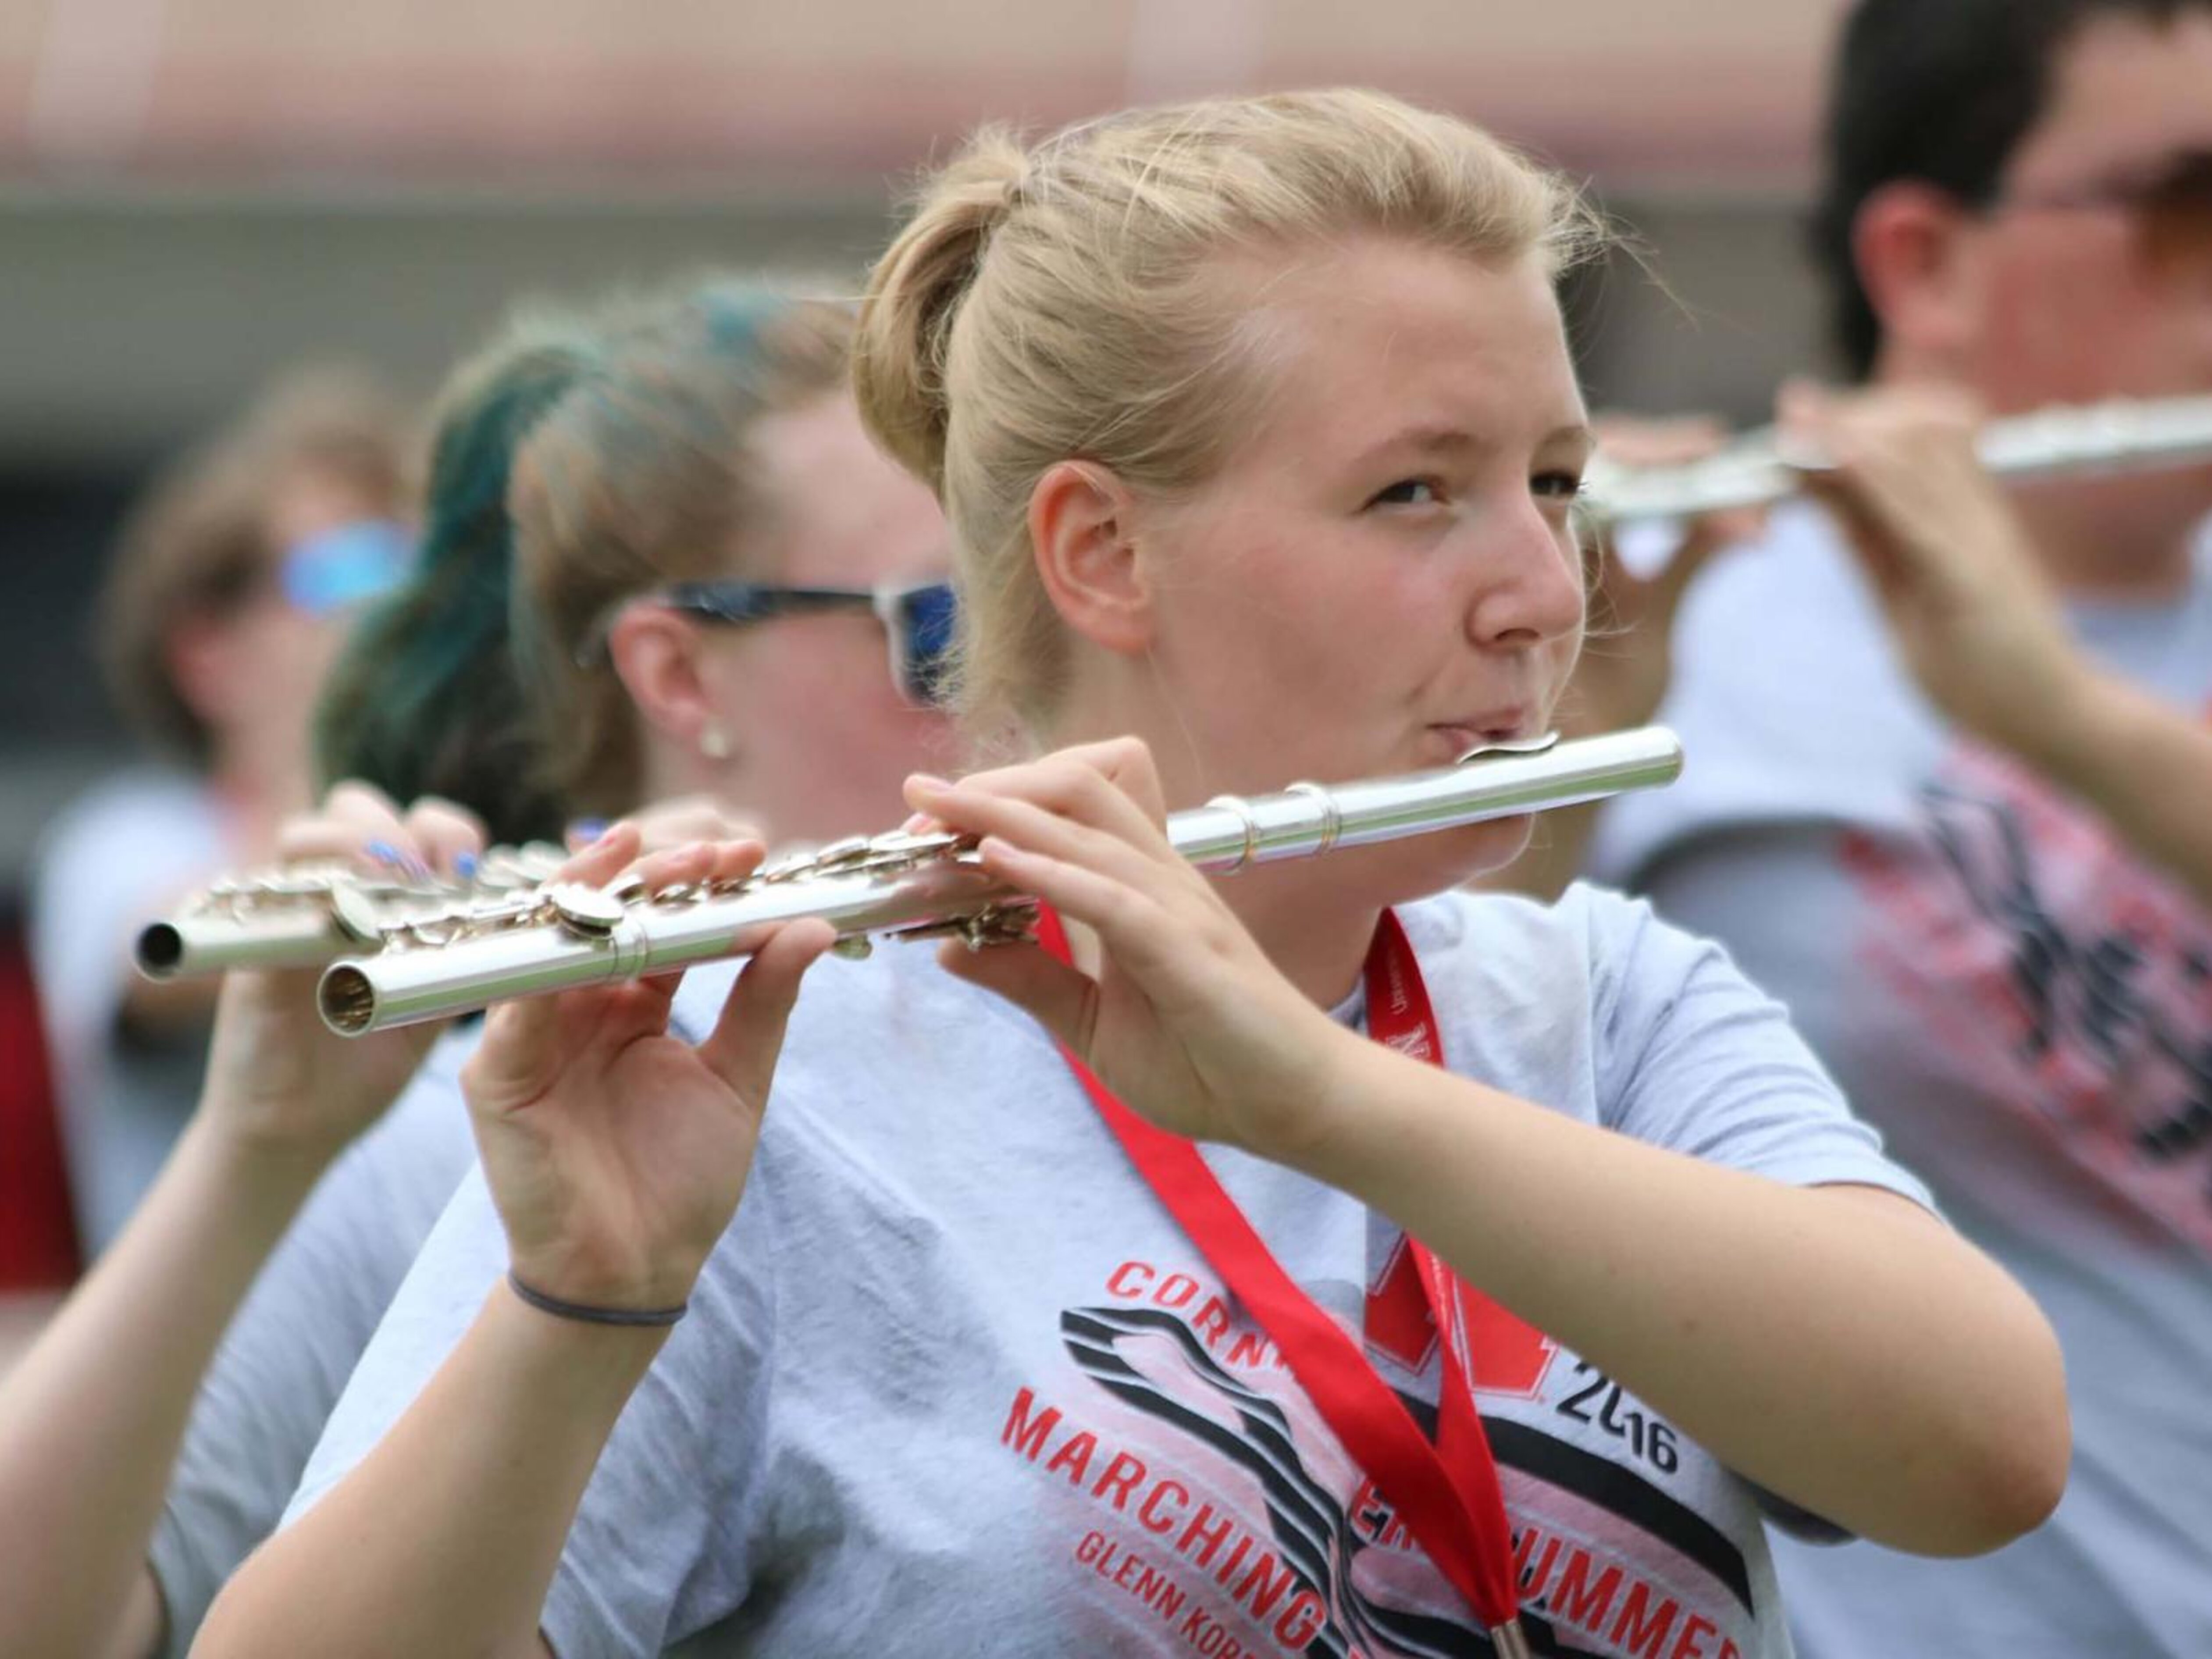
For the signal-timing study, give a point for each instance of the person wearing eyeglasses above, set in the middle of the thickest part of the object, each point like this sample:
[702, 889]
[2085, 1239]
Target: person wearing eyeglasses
[917, 619]
[1952, 763]
[706, 570]
[230, 589]
[622, 504]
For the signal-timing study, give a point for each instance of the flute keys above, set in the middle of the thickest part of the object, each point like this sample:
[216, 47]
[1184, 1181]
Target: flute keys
[540, 858]
[499, 909]
[841, 855]
[356, 915]
[501, 871]
[586, 911]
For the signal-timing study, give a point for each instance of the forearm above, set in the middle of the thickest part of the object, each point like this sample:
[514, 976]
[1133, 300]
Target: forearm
[2146, 766]
[92, 1418]
[1834, 1345]
[446, 1538]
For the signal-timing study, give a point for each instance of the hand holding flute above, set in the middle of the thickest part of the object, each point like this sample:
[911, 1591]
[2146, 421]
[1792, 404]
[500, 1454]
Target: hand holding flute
[1973, 609]
[615, 1151]
[275, 1077]
[1182, 1015]
[1974, 617]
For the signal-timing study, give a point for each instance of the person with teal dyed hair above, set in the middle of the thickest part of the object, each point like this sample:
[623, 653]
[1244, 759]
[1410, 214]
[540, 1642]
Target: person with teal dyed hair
[423, 701]
[660, 561]
[574, 614]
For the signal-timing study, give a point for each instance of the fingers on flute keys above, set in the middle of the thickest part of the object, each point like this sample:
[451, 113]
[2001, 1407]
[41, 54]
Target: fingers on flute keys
[360, 822]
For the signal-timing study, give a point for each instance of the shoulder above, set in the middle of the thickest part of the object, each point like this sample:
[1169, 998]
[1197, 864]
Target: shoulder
[1527, 992]
[129, 830]
[1595, 957]
[148, 806]
[1511, 934]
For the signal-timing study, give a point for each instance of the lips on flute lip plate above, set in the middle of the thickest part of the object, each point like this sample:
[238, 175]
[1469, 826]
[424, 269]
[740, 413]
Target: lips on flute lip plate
[1463, 736]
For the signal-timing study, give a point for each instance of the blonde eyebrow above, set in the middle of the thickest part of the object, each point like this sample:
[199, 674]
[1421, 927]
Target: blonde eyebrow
[1451, 440]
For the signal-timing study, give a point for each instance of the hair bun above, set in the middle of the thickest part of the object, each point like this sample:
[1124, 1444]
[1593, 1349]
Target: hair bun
[914, 297]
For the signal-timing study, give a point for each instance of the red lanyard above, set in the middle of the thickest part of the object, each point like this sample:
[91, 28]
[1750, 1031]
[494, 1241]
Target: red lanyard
[1447, 1493]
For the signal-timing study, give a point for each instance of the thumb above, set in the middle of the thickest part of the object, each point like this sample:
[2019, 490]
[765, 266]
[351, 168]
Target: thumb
[520, 1052]
[1059, 998]
[747, 1038]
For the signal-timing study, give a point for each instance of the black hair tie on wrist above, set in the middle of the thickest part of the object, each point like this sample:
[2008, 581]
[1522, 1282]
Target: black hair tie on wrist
[588, 1316]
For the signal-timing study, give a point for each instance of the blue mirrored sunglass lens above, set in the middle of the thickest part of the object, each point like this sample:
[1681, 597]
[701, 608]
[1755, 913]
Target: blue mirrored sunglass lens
[926, 626]
[345, 565]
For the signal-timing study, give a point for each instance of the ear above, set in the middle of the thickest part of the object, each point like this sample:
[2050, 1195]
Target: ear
[1082, 525]
[655, 653]
[1914, 246]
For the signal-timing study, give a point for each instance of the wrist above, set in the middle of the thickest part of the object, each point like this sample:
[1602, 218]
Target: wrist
[609, 1281]
[582, 1314]
[618, 1354]
[270, 1130]
[249, 1157]
[1327, 1138]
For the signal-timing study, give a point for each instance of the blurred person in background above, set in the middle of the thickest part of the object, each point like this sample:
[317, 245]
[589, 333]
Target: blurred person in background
[1950, 782]
[229, 593]
[537, 664]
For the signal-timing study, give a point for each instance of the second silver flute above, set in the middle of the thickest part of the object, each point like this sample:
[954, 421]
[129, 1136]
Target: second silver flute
[2110, 437]
[919, 884]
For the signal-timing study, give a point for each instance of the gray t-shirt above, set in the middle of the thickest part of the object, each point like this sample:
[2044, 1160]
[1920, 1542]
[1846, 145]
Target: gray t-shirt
[106, 866]
[286, 1356]
[954, 1382]
[2024, 1009]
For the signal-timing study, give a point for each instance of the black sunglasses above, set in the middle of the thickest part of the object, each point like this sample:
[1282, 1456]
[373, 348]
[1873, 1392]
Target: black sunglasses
[917, 618]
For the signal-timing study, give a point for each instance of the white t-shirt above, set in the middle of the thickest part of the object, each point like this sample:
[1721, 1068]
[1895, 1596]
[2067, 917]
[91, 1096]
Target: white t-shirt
[955, 1383]
[287, 1355]
[2023, 1008]
[107, 866]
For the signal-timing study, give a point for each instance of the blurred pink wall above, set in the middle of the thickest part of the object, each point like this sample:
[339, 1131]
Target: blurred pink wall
[808, 94]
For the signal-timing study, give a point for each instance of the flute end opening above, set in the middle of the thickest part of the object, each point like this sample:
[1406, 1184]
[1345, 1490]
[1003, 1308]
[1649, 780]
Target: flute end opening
[347, 999]
[160, 950]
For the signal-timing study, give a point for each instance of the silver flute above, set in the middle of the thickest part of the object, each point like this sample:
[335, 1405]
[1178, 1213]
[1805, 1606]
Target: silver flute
[564, 935]
[1757, 469]
[310, 914]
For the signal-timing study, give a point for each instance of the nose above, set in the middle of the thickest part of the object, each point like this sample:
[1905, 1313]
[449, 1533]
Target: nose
[1527, 584]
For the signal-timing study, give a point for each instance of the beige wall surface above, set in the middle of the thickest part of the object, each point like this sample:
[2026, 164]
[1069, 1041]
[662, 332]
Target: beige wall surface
[1717, 90]
[193, 192]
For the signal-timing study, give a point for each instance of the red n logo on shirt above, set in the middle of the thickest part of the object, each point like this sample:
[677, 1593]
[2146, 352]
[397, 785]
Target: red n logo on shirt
[1511, 1355]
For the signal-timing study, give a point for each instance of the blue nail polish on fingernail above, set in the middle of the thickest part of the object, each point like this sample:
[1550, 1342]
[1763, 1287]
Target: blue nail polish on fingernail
[588, 830]
[383, 852]
[465, 864]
